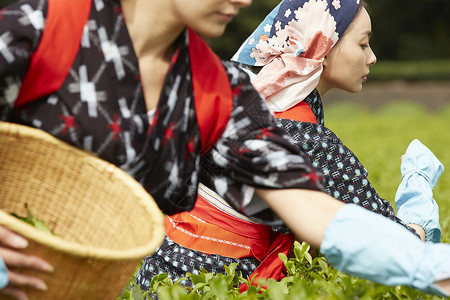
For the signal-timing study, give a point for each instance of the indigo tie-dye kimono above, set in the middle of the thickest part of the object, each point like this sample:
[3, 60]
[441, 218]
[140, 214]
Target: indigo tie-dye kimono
[100, 108]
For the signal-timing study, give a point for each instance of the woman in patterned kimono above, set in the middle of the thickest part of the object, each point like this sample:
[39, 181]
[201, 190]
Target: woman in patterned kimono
[213, 234]
[145, 93]
[293, 67]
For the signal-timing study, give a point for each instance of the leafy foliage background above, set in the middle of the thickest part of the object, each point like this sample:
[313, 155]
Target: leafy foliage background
[402, 29]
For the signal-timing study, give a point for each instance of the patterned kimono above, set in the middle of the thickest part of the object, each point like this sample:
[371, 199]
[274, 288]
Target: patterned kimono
[100, 108]
[344, 175]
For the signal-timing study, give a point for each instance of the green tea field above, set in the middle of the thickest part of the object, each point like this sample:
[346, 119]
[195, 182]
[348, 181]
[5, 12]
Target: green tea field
[380, 138]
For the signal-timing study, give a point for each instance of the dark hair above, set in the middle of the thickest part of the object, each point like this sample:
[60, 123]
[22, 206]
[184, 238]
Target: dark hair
[362, 4]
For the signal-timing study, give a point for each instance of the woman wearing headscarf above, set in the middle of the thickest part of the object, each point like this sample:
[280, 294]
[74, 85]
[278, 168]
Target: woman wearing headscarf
[289, 50]
[295, 56]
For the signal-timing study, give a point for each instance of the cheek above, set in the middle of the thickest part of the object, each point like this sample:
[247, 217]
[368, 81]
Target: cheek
[354, 64]
[350, 58]
[359, 58]
[345, 75]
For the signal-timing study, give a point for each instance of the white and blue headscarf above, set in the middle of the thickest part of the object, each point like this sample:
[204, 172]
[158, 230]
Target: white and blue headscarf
[291, 44]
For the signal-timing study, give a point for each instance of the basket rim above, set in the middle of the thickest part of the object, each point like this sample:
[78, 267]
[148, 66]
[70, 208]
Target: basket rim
[58, 243]
[72, 248]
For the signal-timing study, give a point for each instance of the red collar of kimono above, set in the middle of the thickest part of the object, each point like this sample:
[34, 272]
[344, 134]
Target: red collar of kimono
[212, 91]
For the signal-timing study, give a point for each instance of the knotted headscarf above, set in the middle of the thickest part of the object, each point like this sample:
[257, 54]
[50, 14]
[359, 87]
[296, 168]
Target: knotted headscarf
[291, 44]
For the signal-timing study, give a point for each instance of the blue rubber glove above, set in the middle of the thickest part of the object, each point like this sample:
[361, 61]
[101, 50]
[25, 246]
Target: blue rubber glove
[370, 246]
[3, 274]
[414, 198]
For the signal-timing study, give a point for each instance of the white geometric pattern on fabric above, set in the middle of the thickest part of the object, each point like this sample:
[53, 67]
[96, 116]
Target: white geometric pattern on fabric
[111, 52]
[11, 91]
[85, 42]
[5, 39]
[87, 92]
[33, 17]
[99, 5]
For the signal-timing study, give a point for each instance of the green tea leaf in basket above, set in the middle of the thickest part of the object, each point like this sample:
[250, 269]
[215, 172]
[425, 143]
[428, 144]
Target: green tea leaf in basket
[33, 221]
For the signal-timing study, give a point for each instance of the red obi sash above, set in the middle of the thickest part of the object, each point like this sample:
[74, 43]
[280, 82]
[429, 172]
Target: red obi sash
[211, 230]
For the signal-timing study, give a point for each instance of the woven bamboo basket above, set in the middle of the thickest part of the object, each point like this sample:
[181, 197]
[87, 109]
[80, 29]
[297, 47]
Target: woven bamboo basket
[104, 221]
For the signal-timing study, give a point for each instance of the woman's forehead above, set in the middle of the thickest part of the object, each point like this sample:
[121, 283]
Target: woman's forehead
[361, 25]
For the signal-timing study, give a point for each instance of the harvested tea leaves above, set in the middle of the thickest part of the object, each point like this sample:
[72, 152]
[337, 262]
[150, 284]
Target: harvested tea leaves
[33, 221]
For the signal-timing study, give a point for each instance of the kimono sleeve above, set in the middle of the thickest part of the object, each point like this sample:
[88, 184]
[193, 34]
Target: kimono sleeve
[254, 153]
[345, 177]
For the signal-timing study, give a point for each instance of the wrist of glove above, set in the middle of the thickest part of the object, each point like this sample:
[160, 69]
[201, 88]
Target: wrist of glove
[370, 246]
[414, 198]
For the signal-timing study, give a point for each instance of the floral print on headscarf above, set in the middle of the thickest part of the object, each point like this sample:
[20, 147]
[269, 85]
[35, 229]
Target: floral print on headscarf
[291, 44]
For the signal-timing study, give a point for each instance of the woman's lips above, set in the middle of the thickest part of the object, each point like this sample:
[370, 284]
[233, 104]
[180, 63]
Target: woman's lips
[226, 17]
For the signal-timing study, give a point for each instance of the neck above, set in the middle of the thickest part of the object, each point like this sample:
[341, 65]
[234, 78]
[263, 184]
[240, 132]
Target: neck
[152, 32]
[321, 88]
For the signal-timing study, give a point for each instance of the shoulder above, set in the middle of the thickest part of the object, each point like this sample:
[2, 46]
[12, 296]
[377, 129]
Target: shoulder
[323, 146]
[23, 22]
[310, 135]
[235, 74]
[27, 13]
[24, 4]
[243, 90]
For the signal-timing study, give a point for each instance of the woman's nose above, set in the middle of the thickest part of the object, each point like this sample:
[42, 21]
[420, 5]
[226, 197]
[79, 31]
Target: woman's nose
[241, 3]
[372, 58]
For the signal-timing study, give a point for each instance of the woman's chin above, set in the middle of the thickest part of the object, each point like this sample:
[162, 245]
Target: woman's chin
[355, 89]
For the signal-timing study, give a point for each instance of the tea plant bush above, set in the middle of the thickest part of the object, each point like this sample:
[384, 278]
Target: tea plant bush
[378, 139]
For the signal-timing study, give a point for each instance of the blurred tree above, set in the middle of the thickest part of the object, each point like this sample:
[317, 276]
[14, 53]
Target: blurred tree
[242, 26]
[411, 29]
[403, 29]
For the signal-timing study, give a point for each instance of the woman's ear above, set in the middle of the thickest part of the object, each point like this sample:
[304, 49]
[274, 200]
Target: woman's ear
[325, 62]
